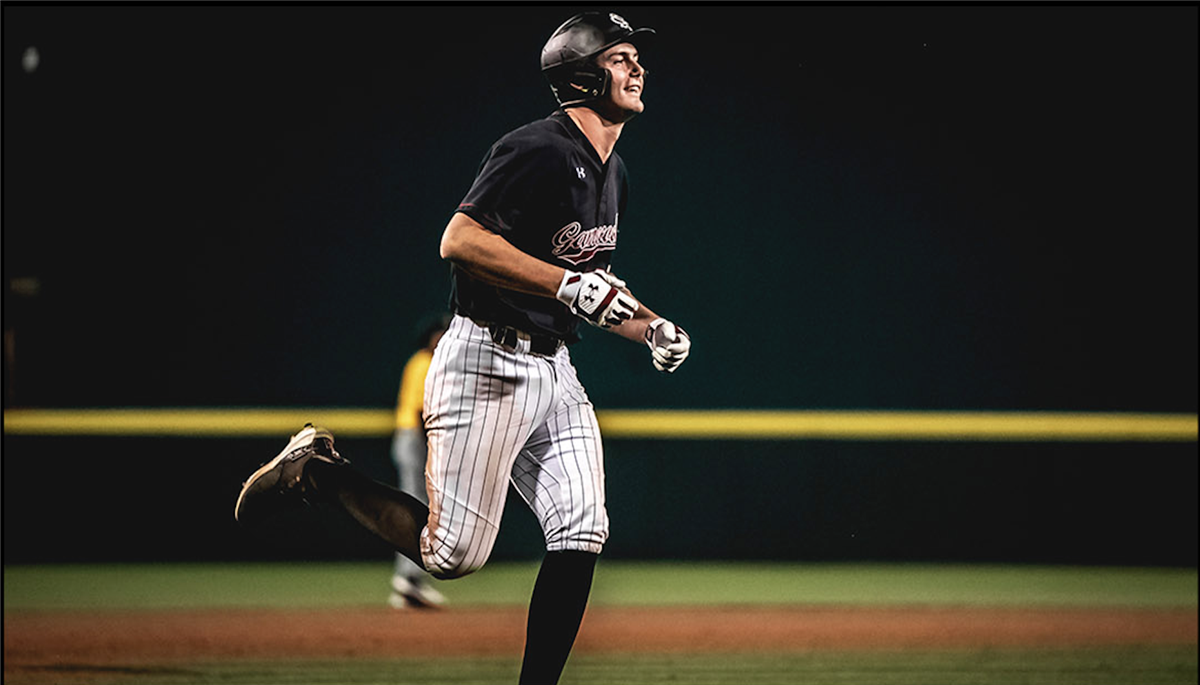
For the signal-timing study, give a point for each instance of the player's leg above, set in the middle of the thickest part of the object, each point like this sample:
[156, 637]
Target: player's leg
[483, 400]
[555, 614]
[310, 468]
[395, 517]
[560, 475]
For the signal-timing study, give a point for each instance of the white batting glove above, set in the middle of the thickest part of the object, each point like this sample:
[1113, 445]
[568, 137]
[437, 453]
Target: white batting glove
[594, 297]
[669, 344]
[612, 280]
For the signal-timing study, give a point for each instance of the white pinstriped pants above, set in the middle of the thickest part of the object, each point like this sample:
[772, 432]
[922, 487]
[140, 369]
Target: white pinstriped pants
[496, 414]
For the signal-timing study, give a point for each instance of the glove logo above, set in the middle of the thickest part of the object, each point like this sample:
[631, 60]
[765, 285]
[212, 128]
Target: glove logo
[590, 296]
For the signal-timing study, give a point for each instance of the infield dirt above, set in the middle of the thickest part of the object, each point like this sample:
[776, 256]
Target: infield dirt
[34, 643]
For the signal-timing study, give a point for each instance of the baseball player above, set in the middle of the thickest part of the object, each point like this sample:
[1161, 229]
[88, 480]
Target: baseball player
[530, 247]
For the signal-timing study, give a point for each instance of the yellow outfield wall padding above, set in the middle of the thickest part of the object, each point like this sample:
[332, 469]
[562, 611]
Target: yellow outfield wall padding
[635, 424]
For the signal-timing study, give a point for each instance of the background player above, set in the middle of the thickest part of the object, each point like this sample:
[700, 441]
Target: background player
[530, 245]
[410, 583]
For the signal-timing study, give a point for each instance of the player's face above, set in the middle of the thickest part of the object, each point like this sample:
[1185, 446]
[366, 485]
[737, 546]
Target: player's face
[628, 78]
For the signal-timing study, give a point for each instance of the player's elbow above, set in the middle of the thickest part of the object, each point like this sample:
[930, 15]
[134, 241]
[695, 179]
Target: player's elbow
[458, 238]
[450, 247]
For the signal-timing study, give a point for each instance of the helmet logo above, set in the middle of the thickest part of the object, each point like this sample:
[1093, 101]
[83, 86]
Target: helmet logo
[620, 21]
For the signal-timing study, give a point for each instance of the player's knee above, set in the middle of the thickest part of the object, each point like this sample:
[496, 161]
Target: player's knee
[447, 561]
[449, 569]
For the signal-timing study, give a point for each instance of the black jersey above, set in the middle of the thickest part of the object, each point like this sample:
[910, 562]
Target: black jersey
[543, 188]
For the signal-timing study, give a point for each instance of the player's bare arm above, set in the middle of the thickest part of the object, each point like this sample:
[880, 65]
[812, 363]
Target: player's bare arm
[669, 344]
[635, 328]
[490, 258]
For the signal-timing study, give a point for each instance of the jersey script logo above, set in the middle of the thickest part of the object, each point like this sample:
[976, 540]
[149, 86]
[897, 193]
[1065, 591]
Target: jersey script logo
[575, 245]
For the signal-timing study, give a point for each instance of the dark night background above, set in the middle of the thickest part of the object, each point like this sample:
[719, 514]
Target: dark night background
[894, 207]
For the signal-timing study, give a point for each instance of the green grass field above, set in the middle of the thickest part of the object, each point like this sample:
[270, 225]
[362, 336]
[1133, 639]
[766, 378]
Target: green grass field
[167, 587]
[733, 583]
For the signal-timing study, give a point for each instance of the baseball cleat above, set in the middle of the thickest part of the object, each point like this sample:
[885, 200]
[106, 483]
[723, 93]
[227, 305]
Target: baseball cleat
[414, 594]
[281, 480]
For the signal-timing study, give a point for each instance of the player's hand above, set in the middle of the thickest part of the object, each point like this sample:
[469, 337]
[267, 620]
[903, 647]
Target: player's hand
[669, 344]
[597, 297]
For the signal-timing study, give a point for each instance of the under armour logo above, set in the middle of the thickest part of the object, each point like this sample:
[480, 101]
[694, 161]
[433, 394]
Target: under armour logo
[579, 171]
[592, 288]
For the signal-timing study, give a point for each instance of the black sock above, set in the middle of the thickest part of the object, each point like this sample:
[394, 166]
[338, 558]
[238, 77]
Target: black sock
[555, 612]
[394, 516]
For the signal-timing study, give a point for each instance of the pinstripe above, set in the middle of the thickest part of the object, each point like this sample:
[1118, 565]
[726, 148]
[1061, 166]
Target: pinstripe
[478, 462]
[492, 487]
[493, 497]
[589, 461]
[449, 412]
[435, 384]
[560, 474]
[566, 460]
[497, 415]
[477, 518]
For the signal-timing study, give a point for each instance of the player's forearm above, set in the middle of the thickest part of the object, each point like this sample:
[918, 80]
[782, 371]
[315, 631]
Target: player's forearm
[635, 328]
[493, 260]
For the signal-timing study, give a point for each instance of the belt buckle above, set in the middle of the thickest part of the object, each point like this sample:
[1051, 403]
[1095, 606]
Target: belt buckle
[505, 336]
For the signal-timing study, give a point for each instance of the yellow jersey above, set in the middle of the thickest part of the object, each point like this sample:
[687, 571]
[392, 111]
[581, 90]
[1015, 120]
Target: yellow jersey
[411, 399]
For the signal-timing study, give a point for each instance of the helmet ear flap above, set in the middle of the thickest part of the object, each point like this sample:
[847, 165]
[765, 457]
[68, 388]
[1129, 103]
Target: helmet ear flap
[574, 86]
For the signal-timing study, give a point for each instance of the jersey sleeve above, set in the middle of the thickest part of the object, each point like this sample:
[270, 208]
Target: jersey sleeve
[508, 181]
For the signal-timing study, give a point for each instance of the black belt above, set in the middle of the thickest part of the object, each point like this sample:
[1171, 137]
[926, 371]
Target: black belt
[538, 344]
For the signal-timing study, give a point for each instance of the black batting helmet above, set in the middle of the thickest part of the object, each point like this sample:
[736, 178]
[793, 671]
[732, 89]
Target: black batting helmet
[567, 58]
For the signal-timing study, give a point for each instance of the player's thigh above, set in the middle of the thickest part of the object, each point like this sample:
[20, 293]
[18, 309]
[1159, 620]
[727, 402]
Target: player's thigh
[560, 475]
[483, 403]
